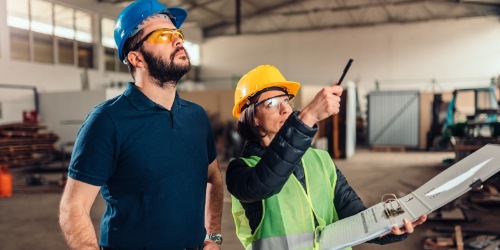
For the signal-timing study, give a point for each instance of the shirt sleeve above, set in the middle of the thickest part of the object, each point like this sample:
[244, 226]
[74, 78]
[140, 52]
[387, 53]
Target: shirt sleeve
[94, 154]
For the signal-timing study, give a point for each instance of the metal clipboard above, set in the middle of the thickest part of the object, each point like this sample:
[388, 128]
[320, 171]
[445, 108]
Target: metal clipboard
[448, 185]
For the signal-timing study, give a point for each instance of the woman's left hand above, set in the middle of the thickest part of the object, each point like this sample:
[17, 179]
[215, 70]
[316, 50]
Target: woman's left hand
[408, 226]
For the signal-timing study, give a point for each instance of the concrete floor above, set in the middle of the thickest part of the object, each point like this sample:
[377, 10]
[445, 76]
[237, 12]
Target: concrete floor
[28, 220]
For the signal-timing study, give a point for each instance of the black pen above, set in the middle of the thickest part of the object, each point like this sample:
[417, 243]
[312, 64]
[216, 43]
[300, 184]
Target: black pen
[345, 71]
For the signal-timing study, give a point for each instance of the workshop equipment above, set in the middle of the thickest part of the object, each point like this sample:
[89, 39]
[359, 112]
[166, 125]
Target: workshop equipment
[472, 119]
[5, 181]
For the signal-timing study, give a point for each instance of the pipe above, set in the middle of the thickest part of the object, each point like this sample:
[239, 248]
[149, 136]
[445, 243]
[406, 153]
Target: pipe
[35, 92]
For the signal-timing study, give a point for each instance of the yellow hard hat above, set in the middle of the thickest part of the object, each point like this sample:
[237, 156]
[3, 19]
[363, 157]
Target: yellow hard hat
[262, 77]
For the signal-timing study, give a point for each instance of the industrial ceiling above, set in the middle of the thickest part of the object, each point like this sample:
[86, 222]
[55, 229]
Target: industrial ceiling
[233, 17]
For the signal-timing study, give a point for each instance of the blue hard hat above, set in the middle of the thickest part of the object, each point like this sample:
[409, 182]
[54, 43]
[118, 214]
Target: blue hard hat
[138, 11]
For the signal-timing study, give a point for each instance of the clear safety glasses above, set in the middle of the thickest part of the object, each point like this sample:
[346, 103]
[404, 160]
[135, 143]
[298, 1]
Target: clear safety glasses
[164, 35]
[273, 104]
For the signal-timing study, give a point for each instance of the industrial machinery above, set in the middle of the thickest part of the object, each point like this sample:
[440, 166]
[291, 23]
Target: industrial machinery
[471, 120]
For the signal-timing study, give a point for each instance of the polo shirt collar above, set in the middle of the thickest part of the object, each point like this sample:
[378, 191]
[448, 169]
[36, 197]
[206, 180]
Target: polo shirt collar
[141, 102]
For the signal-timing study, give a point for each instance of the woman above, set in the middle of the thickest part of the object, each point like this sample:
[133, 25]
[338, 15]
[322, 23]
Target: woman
[283, 190]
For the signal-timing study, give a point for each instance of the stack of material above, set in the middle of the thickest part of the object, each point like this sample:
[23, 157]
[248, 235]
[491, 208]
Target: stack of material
[26, 144]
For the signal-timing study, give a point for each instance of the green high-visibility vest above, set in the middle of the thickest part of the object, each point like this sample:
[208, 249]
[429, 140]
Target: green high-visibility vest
[288, 217]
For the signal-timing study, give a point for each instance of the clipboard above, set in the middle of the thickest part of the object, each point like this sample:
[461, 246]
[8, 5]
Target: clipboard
[448, 185]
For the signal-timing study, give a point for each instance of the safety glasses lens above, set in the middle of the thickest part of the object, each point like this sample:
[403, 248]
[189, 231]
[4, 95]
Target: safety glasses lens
[275, 103]
[165, 36]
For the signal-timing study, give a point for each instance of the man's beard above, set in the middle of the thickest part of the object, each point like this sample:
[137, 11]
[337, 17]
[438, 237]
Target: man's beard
[164, 72]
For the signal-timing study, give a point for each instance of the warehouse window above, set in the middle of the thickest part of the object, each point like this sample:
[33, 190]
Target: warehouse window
[66, 51]
[41, 17]
[18, 14]
[112, 62]
[41, 29]
[43, 48]
[107, 32]
[83, 27]
[19, 42]
[109, 59]
[64, 22]
[85, 58]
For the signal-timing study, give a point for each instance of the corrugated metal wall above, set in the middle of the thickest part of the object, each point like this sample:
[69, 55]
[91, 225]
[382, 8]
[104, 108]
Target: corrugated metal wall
[393, 118]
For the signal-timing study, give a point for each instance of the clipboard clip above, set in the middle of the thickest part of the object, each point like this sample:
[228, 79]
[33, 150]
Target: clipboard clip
[477, 185]
[392, 205]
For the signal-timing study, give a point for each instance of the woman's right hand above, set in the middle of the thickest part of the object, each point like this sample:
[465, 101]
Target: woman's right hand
[325, 103]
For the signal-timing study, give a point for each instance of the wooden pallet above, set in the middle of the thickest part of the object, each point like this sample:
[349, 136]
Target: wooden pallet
[19, 149]
[24, 144]
[48, 139]
[22, 127]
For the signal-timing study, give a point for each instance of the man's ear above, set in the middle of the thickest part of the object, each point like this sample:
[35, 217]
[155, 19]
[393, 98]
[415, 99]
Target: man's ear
[135, 59]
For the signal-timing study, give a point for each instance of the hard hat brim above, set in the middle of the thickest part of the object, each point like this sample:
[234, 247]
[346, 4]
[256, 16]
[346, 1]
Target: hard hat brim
[179, 14]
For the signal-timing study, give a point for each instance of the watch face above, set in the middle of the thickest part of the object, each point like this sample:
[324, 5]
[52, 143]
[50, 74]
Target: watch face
[217, 238]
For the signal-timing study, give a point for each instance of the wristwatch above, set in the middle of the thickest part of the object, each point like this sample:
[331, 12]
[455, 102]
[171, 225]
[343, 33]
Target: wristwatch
[217, 238]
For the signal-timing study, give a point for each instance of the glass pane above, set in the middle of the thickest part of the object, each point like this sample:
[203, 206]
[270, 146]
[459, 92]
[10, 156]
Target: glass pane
[19, 44]
[64, 25]
[66, 52]
[17, 14]
[41, 17]
[83, 26]
[85, 56]
[107, 30]
[109, 59]
[43, 47]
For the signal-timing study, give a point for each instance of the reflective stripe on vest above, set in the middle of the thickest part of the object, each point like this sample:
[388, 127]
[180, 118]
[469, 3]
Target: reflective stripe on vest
[295, 241]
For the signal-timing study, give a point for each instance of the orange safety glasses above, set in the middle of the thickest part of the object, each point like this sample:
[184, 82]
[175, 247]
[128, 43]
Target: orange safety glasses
[164, 35]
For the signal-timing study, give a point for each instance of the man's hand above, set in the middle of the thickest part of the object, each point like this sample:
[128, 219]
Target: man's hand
[210, 245]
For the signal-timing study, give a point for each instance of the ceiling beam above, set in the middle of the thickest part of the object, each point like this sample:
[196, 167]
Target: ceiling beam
[203, 6]
[237, 16]
[491, 2]
[254, 14]
[266, 11]
[362, 6]
[362, 24]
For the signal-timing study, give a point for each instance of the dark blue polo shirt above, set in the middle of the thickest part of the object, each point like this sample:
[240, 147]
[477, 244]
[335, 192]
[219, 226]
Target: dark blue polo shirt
[151, 164]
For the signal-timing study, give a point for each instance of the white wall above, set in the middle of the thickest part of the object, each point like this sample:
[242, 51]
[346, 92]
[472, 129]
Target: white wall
[454, 52]
[46, 78]
[64, 112]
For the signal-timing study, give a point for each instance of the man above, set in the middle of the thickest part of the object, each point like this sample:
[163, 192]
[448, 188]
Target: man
[149, 152]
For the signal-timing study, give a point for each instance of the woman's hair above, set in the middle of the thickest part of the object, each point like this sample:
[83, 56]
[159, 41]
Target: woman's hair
[247, 128]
